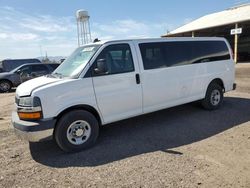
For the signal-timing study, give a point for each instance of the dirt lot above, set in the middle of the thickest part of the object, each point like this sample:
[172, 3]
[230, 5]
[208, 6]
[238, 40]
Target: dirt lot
[183, 146]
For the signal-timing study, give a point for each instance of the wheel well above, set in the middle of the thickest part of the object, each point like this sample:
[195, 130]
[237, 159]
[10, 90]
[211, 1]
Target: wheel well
[219, 82]
[7, 81]
[82, 107]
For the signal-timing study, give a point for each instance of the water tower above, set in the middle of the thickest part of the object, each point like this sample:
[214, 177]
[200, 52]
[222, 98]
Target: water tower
[83, 27]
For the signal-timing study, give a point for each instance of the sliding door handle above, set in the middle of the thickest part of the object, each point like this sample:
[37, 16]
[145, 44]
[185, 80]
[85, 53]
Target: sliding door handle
[137, 77]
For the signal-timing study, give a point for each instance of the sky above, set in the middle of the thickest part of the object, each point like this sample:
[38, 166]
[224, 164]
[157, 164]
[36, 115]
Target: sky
[32, 28]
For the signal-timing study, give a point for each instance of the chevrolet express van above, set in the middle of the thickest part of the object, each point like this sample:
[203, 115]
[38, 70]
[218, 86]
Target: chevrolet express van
[109, 81]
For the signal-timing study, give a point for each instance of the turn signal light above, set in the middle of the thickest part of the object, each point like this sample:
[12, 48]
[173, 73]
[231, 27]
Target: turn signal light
[29, 115]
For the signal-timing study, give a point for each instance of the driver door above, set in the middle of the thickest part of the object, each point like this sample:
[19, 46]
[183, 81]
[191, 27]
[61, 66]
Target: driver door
[25, 73]
[118, 93]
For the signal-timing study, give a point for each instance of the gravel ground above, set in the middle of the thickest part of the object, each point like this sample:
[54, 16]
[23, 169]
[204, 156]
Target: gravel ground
[184, 146]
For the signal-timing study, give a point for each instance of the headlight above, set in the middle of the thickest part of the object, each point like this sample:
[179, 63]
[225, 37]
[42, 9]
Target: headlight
[25, 101]
[29, 101]
[29, 108]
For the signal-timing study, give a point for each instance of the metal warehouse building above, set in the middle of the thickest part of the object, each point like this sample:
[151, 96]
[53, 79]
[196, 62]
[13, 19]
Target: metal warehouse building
[233, 24]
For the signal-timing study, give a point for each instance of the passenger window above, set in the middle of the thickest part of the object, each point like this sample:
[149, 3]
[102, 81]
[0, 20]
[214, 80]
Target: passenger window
[177, 53]
[168, 54]
[207, 51]
[53, 66]
[40, 68]
[118, 59]
[25, 70]
[152, 55]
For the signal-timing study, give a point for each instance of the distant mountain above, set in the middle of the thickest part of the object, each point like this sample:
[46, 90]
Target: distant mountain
[53, 58]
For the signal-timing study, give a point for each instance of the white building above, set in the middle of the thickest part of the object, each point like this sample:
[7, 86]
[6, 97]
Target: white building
[220, 24]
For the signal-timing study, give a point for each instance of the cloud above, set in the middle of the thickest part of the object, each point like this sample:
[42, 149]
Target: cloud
[46, 24]
[129, 28]
[40, 23]
[3, 36]
[22, 35]
[8, 8]
[19, 36]
[121, 26]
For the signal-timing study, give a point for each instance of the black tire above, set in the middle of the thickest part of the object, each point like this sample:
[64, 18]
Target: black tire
[62, 130]
[210, 102]
[5, 86]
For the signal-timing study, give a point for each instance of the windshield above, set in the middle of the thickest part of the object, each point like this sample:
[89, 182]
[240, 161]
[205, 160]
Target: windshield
[76, 62]
[1, 66]
[14, 70]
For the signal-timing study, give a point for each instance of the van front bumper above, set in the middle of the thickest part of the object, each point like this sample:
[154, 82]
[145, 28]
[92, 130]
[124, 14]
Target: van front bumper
[33, 131]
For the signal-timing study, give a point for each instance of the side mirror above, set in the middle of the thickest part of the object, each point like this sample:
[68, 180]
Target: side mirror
[33, 74]
[101, 66]
[18, 71]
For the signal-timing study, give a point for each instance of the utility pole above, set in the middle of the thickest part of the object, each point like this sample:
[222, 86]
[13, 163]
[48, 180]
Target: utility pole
[236, 44]
[236, 32]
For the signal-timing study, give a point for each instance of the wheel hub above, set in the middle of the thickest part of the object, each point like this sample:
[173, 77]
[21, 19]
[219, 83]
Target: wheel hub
[79, 132]
[215, 97]
[4, 86]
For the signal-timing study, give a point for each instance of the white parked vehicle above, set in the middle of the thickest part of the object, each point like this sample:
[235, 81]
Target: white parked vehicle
[109, 81]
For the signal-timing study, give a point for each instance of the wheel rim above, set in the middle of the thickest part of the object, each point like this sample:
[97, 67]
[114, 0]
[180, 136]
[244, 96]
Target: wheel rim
[78, 132]
[4, 86]
[215, 97]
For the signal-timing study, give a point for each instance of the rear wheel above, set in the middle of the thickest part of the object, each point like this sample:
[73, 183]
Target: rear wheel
[214, 97]
[77, 130]
[5, 86]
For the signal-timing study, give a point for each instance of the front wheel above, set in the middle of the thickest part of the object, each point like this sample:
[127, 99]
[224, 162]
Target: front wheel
[77, 130]
[5, 86]
[213, 98]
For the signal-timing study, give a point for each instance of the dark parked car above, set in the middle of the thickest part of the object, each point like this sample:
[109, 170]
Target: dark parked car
[10, 64]
[23, 73]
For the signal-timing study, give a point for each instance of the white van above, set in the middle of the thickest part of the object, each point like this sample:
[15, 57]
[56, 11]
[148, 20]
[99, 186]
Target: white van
[109, 81]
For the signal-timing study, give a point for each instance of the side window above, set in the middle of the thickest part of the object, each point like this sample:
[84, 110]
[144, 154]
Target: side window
[207, 51]
[40, 68]
[118, 58]
[168, 54]
[25, 69]
[192, 52]
[152, 55]
[177, 53]
[53, 66]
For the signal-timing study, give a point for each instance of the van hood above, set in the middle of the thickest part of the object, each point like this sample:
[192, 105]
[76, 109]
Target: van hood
[26, 88]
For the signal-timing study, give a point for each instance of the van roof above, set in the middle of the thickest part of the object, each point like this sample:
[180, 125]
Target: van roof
[160, 39]
[21, 60]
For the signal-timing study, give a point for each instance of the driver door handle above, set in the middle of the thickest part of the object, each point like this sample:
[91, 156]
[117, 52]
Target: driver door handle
[137, 77]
